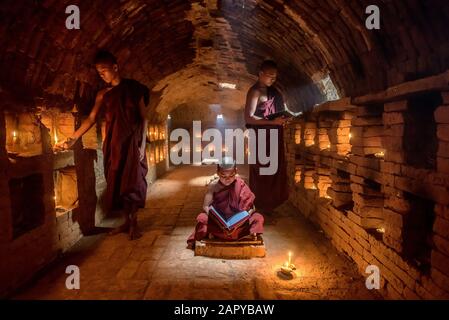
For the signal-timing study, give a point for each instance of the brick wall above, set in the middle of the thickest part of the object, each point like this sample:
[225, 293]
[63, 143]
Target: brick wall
[59, 219]
[384, 205]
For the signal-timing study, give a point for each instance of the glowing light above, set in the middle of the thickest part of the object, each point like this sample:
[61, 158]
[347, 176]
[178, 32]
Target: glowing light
[168, 117]
[380, 230]
[227, 85]
[289, 258]
[219, 117]
[14, 134]
[380, 154]
[56, 137]
[350, 135]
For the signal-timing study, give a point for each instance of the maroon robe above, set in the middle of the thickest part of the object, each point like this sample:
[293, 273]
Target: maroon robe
[270, 190]
[125, 173]
[230, 200]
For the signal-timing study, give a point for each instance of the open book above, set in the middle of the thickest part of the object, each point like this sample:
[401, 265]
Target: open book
[236, 220]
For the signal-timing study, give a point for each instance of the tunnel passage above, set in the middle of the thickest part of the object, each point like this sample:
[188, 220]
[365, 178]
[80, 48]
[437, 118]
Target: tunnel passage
[351, 155]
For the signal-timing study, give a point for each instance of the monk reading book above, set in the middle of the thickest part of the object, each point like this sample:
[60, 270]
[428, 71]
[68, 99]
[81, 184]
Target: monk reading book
[226, 202]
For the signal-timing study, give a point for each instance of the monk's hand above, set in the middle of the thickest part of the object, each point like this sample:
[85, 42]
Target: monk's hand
[288, 121]
[141, 153]
[279, 121]
[65, 145]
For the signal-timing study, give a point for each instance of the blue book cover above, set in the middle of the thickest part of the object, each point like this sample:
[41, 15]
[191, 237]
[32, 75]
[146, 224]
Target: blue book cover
[232, 221]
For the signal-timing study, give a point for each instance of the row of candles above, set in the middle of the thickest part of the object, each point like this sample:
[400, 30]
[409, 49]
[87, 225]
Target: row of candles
[157, 154]
[156, 133]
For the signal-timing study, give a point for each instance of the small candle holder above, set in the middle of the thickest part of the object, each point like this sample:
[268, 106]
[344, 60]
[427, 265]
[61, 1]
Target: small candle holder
[288, 269]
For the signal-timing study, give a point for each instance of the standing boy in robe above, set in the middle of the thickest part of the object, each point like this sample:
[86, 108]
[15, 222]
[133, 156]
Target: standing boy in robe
[125, 104]
[263, 100]
[229, 195]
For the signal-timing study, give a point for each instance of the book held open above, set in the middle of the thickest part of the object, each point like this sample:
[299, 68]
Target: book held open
[236, 220]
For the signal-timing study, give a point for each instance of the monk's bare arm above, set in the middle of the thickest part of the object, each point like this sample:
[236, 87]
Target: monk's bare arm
[209, 197]
[90, 121]
[144, 113]
[252, 99]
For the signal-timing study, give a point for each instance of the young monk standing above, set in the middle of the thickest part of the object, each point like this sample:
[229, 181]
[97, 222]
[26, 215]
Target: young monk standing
[229, 195]
[125, 104]
[263, 100]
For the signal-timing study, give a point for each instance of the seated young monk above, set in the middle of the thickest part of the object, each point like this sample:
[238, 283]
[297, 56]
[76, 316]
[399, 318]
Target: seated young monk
[229, 195]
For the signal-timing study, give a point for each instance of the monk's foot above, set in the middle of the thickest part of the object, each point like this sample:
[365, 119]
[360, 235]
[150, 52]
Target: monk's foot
[250, 237]
[134, 234]
[124, 228]
[133, 230]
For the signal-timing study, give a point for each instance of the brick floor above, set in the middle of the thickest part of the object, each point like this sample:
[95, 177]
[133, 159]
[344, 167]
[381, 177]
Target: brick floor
[158, 265]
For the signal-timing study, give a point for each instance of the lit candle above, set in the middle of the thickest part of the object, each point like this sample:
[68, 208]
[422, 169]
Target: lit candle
[56, 137]
[289, 258]
[350, 135]
[14, 136]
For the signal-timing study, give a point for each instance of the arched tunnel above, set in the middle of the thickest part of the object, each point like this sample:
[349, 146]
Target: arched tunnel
[365, 149]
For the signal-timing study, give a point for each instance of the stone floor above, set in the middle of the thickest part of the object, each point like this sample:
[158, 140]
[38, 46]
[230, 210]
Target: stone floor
[158, 265]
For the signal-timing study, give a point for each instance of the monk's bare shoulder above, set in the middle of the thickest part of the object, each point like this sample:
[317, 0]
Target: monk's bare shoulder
[101, 93]
[254, 92]
[213, 186]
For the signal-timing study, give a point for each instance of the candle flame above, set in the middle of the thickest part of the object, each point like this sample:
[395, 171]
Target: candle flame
[14, 134]
[56, 137]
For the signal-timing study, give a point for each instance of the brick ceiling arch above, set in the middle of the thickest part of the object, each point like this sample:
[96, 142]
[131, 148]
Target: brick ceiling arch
[183, 49]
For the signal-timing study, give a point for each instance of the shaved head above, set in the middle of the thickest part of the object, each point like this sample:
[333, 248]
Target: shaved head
[226, 163]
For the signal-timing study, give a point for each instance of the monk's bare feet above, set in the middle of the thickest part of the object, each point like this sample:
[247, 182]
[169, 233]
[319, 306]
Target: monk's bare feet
[124, 228]
[134, 232]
